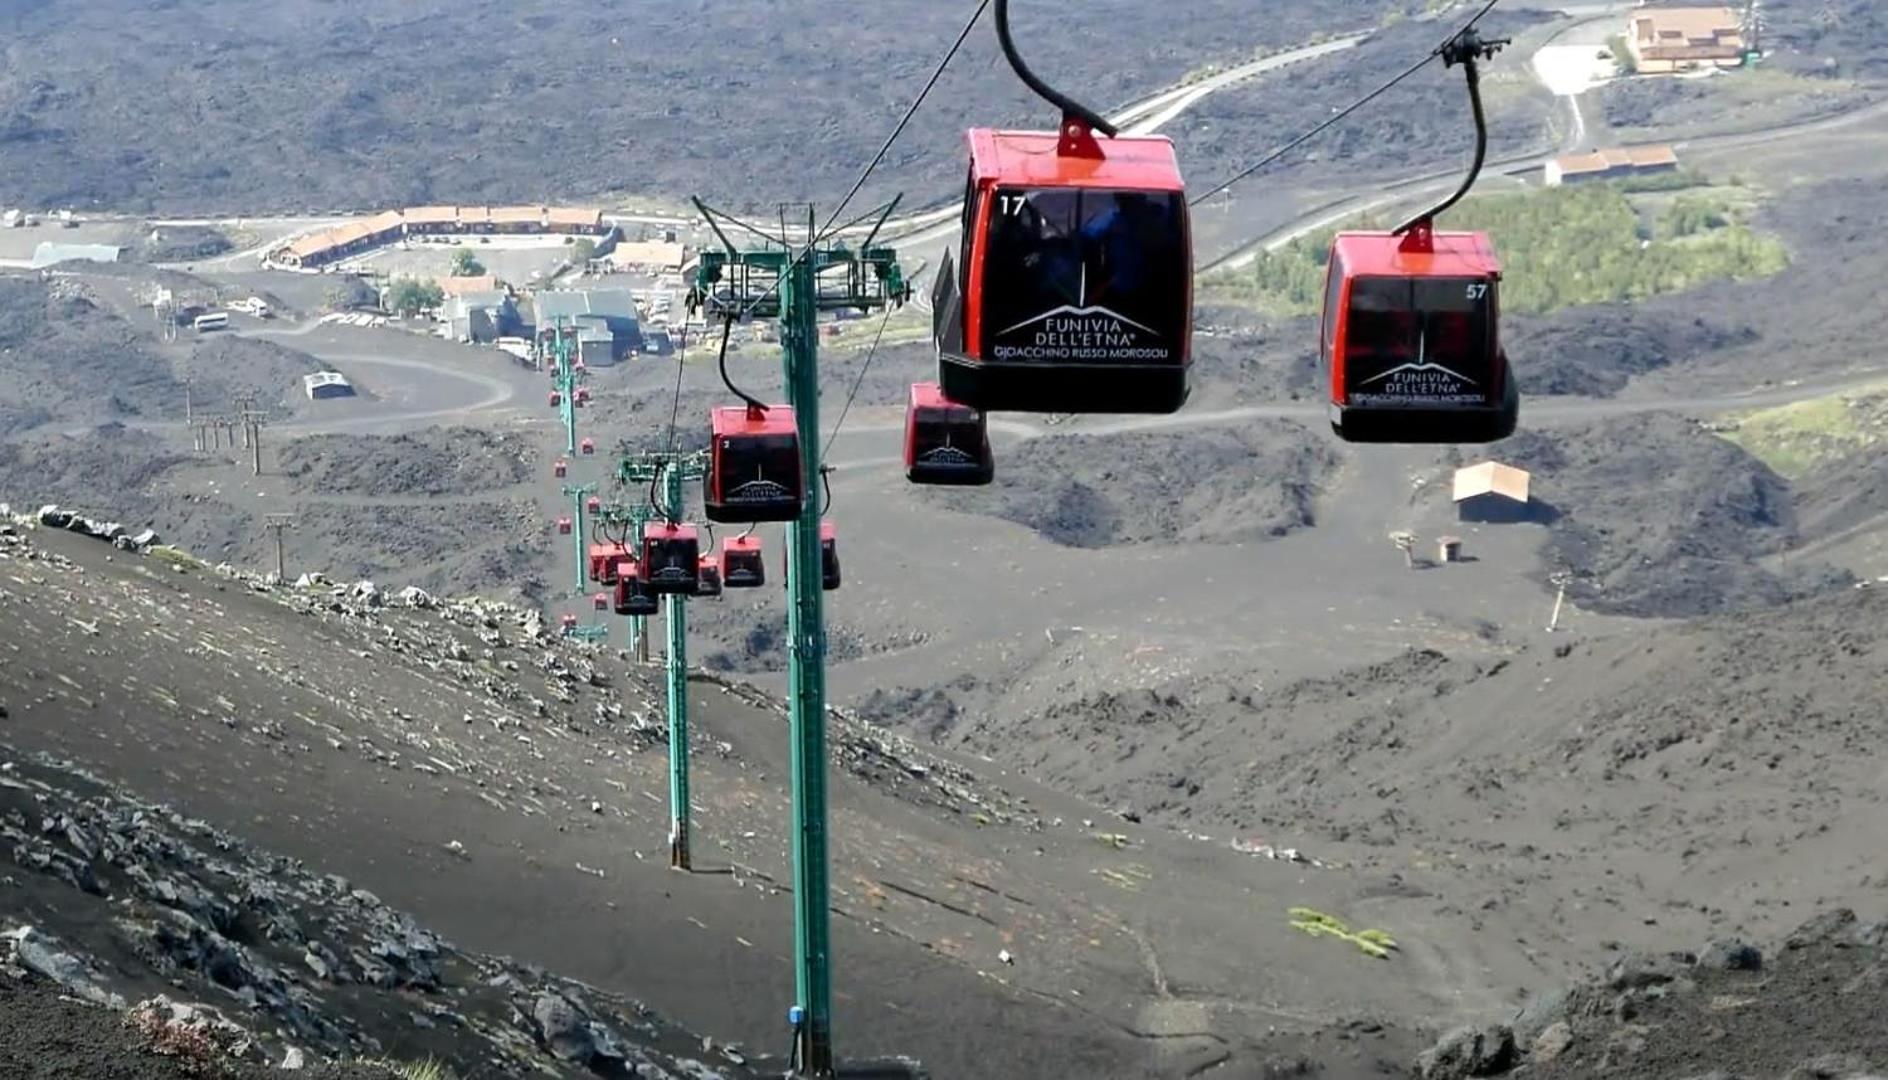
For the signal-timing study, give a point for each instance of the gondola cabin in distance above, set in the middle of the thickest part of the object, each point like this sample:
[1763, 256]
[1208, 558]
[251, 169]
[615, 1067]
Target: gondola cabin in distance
[946, 442]
[1411, 345]
[1072, 289]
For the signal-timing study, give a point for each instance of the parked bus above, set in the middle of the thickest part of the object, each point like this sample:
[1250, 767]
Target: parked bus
[216, 320]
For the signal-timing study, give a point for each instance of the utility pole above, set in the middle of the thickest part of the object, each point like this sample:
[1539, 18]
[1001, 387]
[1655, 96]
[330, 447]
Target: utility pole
[640, 472]
[245, 407]
[1559, 581]
[568, 379]
[276, 523]
[577, 493]
[187, 410]
[252, 437]
[791, 281]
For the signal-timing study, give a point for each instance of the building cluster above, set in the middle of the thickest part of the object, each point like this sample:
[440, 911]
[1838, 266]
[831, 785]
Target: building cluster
[1663, 41]
[1613, 164]
[365, 234]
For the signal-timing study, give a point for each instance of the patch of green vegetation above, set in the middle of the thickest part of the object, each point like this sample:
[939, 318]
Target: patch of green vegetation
[1560, 247]
[410, 296]
[1622, 54]
[176, 557]
[1376, 943]
[414, 1070]
[1798, 438]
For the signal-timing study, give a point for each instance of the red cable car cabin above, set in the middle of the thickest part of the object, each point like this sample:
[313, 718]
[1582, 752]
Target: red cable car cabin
[603, 560]
[708, 577]
[556, 399]
[754, 473]
[560, 468]
[1072, 290]
[742, 565]
[945, 442]
[583, 395]
[601, 601]
[1412, 346]
[632, 596]
[671, 558]
[828, 555]
[563, 526]
[588, 446]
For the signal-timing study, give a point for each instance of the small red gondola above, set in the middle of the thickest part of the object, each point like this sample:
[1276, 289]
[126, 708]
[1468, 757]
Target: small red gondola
[603, 562]
[569, 622]
[601, 601]
[946, 442]
[754, 472]
[593, 505]
[632, 596]
[1411, 346]
[583, 395]
[742, 564]
[563, 526]
[708, 577]
[560, 468]
[828, 555]
[588, 447]
[556, 399]
[1071, 290]
[671, 558]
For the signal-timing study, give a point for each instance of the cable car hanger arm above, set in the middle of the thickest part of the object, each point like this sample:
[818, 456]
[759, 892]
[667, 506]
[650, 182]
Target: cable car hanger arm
[1465, 48]
[1072, 110]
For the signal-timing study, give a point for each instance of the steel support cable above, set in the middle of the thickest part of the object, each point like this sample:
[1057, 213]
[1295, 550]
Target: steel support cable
[1338, 117]
[857, 381]
[878, 158]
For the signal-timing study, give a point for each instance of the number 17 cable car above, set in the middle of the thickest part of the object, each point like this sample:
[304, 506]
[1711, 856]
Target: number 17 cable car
[1411, 341]
[1072, 288]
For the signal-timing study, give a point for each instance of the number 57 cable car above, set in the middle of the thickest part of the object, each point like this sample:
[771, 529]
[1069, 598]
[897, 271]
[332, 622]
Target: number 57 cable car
[1411, 341]
[1072, 289]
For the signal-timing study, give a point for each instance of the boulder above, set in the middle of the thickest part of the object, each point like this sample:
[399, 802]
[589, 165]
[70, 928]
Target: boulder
[1639, 970]
[1469, 1051]
[52, 517]
[1552, 1043]
[146, 538]
[562, 1029]
[366, 592]
[40, 952]
[1730, 954]
[1825, 927]
[415, 597]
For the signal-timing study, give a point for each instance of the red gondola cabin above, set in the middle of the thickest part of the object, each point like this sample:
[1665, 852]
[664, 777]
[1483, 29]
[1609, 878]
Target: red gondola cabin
[754, 473]
[632, 596]
[742, 564]
[945, 442]
[1072, 290]
[588, 447]
[560, 468]
[1411, 348]
[583, 395]
[671, 558]
[828, 555]
[603, 560]
[563, 526]
[601, 601]
[556, 399]
[708, 577]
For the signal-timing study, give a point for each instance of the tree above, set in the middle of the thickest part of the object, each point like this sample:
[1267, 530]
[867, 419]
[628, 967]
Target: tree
[409, 296]
[466, 264]
[582, 252]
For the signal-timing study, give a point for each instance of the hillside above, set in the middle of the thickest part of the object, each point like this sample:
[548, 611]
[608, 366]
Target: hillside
[309, 107]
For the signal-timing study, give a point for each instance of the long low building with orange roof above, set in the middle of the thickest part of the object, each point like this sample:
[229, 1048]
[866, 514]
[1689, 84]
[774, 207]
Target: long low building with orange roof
[364, 234]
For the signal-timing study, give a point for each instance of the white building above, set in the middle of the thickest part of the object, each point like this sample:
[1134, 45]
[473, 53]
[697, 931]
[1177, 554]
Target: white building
[323, 385]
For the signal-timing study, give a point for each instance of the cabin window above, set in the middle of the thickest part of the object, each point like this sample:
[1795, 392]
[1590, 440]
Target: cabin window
[1084, 276]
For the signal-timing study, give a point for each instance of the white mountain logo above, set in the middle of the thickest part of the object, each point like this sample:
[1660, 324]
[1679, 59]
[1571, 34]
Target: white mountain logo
[1081, 310]
[1420, 364]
